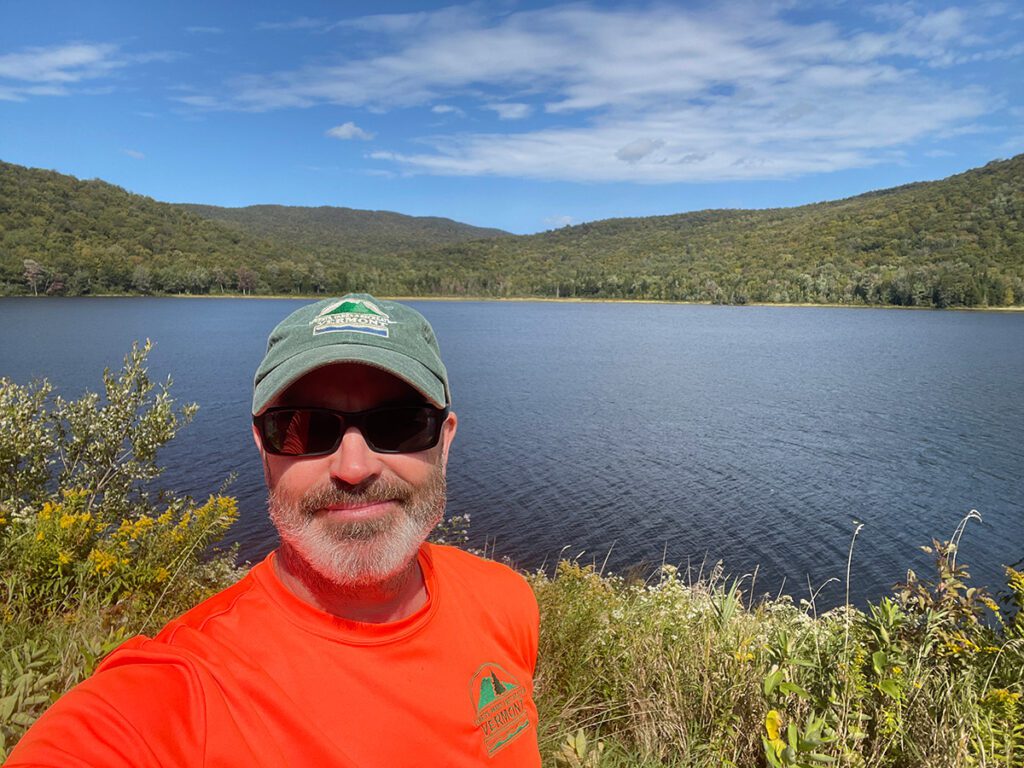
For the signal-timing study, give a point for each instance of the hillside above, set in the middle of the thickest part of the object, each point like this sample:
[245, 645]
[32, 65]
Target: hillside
[955, 242]
[62, 235]
[343, 229]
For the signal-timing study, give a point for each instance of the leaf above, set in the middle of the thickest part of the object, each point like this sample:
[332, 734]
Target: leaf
[773, 724]
[581, 743]
[880, 662]
[794, 688]
[7, 705]
[772, 681]
[771, 752]
[891, 688]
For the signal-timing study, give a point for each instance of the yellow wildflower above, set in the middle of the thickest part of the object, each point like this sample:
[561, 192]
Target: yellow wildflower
[47, 511]
[102, 562]
[142, 525]
[66, 521]
[63, 558]
[161, 574]
[1015, 579]
[39, 535]
[1001, 696]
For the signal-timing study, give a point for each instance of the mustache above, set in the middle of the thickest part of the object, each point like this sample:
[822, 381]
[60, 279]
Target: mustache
[380, 489]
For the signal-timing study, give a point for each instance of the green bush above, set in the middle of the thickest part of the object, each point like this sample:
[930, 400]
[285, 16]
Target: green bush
[90, 553]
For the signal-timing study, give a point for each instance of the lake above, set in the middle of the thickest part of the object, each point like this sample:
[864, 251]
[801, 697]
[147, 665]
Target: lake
[630, 433]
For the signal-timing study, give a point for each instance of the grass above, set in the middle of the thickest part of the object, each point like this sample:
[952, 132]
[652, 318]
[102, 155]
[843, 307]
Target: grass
[667, 673]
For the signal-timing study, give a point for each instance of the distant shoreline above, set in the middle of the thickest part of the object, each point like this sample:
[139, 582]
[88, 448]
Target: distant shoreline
[523, 299]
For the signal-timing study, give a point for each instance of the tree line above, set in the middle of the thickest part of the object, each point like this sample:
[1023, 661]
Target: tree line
[952, 243]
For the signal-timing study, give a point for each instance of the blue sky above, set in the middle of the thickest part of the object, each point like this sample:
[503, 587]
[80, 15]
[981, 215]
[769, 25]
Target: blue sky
[519, 115]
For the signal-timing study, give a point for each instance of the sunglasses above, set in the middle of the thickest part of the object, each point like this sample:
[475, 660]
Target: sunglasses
[289, 431]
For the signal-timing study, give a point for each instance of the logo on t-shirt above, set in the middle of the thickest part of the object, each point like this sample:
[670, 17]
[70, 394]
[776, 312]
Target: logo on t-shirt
[354, 315]
[500, 704]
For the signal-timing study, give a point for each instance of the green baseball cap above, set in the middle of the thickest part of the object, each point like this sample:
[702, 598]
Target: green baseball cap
[356, 328]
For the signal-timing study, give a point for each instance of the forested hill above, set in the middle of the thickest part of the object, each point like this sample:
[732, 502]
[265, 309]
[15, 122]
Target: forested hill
[345, 229]
[62, 235]
[955, 242]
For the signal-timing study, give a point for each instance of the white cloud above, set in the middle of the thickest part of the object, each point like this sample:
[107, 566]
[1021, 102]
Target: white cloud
[55, 70]
[160, 57]
[59, 64]
[698, 143]
[9, 93]
[302, 22]
[659, 93]
[447, 109]
[199, 100]
[510, 110]
[204, 30]
[134, 154]
[347, 131]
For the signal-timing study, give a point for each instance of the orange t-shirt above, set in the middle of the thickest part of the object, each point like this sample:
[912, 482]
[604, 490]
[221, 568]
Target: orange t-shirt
[254, 676]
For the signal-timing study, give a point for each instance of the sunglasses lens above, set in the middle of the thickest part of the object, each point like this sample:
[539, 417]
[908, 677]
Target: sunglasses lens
[312, 431]
[402, 429]
[301, 432]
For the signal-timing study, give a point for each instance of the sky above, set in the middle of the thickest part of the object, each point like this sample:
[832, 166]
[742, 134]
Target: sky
[525, 116]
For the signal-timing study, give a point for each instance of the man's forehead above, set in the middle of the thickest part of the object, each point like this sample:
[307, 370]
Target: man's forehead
[338, 383]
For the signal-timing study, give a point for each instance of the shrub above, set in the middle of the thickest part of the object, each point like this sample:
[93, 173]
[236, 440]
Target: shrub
[90, 553]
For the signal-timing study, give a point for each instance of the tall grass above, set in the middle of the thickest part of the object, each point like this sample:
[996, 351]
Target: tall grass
[667, 673]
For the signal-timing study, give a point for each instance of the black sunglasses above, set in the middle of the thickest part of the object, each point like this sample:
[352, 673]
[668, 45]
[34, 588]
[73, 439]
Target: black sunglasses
[289, 431]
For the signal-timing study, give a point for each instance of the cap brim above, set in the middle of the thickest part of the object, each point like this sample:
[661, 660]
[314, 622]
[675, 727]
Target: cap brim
[411, 371]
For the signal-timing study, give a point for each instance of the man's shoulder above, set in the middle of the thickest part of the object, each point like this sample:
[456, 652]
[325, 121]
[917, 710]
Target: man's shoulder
[188, 642]
[219, 605]
[477, 573]
[451, 558]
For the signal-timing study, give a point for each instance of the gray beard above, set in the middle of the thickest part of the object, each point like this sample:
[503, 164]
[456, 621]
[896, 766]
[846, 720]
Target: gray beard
[361, 552]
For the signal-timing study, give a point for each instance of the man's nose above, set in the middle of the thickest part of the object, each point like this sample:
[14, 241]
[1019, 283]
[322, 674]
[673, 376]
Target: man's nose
[353, 461]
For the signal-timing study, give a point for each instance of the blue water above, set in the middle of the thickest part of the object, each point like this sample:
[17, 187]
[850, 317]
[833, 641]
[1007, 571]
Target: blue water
[758, 436]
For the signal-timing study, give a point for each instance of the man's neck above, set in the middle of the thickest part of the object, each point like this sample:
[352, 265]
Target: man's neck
[396, 598]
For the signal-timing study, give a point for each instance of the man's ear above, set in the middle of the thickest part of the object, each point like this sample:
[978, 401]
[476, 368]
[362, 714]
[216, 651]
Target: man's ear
[447, 435]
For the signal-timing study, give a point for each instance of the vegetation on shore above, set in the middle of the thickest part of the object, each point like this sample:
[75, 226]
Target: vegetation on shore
[633, 671]
[958, 242]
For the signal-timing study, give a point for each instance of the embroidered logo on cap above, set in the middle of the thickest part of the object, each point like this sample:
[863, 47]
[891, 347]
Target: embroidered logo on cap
[354, 316]
[500, 705]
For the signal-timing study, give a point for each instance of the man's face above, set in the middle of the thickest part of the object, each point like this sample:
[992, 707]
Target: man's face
[356, 517]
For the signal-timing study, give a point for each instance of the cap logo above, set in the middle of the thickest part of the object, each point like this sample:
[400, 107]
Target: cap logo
[353, 316]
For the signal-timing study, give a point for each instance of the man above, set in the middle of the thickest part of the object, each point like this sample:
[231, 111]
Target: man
[354, 643]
